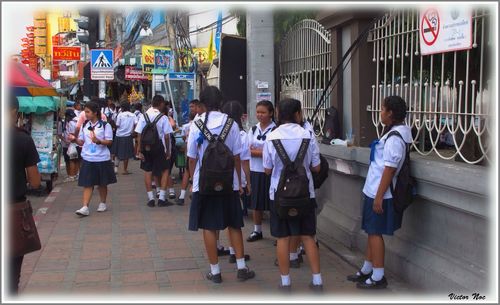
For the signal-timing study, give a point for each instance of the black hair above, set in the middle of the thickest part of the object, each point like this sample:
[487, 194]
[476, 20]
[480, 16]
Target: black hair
[95, 108]
[158, 100]
[287, 109]
[125, 106]
[101, 102]
[234, 110]
[138, 106]
[195, 101]
[397, 106]
[212, 98]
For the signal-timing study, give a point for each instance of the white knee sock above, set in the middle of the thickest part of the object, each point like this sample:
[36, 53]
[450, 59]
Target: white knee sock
[317, 279]
[117, 162]
[285, 280]
[162, 194]
[367, 267]
[151, 196]
[183, 194]
[378, 274]
[215, 269]
[240, 262]
[231, 251]
[257, 228]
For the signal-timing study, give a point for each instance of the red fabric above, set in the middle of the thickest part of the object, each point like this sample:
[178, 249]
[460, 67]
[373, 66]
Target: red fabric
[22, 76]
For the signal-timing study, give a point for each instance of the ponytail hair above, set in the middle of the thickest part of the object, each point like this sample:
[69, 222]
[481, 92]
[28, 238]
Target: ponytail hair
[233, 110]
[287, 110]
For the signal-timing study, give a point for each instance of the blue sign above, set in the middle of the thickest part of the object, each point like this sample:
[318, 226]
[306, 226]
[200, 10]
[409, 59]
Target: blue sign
[101, 64]
[218, 33]
[164, 60]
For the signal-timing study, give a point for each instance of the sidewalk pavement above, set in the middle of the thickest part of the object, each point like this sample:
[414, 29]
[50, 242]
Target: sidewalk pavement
[131, 249]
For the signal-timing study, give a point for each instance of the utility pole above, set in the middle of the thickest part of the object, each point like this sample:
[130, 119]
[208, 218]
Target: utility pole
[260, 59]
[102, 37]
[171, 37]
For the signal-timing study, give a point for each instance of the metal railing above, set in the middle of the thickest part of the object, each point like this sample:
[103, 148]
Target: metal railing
[447, 93]
[305, 67]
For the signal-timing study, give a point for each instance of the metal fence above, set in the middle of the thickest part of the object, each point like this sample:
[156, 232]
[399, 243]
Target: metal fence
[305, 67]
[448, 94]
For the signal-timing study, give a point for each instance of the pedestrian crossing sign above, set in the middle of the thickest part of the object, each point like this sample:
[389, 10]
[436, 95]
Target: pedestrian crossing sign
[101, 64]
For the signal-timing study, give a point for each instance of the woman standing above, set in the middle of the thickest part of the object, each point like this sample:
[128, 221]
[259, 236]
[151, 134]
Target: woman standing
[258, 179]
[292, 137]
[379, 216]
[123, 145]
[216, 212]
[97, 169]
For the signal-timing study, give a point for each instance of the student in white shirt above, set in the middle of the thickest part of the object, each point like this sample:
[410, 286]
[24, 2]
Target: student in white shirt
[291, 135]
[212, 213]
[67, 128]
[260, 181]
[96, 169]
[379, 216]
[123, 144]
[234, 110]
[138, 114]
[155, 162]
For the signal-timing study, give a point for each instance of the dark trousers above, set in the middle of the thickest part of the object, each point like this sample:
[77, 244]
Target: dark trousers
[15, 273]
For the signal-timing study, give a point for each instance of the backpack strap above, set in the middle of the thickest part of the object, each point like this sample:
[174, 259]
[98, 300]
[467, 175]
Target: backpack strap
[226, 129]
[202, 127]
[281, 152]
[158, 117]
[407, 156]
[302, 151]
[146, 118]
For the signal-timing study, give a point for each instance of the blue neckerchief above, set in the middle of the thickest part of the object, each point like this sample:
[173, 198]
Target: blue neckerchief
[200, 139]
[372, 149]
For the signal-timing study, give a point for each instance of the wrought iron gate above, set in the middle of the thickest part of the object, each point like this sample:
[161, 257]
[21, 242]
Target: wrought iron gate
[305, 67]
[448, 94]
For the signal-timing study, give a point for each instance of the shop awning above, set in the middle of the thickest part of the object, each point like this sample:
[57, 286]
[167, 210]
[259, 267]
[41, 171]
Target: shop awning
[38, 104]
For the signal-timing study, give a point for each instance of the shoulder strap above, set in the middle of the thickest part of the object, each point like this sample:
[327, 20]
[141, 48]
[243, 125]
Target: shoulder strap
[146, 118]
[396, 133]
[281, 152]
[226, 129]
[302, 151]
[158, 117]
[204, 130]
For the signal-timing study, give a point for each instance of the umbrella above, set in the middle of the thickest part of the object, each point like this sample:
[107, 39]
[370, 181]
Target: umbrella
[34, 93]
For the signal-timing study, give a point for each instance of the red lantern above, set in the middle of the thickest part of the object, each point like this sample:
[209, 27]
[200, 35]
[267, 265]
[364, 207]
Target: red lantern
[24, 39]
[30, 35]
[30, 28]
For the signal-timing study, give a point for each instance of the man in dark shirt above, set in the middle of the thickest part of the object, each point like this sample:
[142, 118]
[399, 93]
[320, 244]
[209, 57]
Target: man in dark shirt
[24, 158]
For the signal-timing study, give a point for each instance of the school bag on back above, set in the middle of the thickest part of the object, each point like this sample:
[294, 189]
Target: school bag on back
[149, 136]
[217, 165]
[403, 192]
[292, 198]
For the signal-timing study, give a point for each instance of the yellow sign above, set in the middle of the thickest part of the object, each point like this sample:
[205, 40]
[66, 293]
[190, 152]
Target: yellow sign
[40, 32]
[39, 15]
[40, 41]
[40, 50]
[64, 24]
[40, 23]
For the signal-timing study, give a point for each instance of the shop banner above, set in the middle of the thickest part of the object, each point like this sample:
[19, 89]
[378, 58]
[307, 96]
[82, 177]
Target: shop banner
[66, 53]
[133, 73]
[164, 60]
[148, 58]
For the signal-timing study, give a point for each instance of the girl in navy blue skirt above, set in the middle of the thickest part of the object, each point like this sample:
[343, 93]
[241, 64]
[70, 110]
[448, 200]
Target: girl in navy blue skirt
[379, 216]
[97, 168]
[216, 212]
[259, 200]
[291, 135]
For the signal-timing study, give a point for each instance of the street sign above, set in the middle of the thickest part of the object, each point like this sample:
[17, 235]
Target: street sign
[164, 60]
[445, 29]
[101, 64]
[66, 53]
[133, 73]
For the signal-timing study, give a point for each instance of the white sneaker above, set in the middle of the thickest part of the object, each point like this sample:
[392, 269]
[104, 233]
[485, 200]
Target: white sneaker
[84, 211]
[102, 207]
[69, 179]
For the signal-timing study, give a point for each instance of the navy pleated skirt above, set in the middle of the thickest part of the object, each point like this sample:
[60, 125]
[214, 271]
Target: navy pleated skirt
[96, 173]
[215, 212]
[305, 225]
[123, 148]
[260, 191]
[380, 224]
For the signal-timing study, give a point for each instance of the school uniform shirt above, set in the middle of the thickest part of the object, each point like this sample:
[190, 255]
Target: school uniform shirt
[125, 122]
[245, 155]
[308, 126]
[103, 131]
[138, 115]
[70, 129]
[185, 129]
[291, 136]
[108, 112]
[388, 152]
[163, 125]
[256, 162]
[216, 121]
[82, 118]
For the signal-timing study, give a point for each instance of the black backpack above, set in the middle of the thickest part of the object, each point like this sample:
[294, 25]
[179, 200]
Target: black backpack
[320, 177]
[292, 198]
[217, 166]
[404, 191]
[149, 136]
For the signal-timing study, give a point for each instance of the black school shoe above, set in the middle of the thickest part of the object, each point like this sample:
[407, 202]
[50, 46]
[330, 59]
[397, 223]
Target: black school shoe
[222, 252]
[245, 274]
[285, 289]
[254, 236]
[180, 201]
[217, 278]
[151, 203]
[295, 263]
[316, 288]
[382, 284]
[232, 258]
[361, 278]
[164, 203]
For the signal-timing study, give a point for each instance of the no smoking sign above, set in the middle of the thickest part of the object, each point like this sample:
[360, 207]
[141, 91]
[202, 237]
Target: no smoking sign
[429, 26]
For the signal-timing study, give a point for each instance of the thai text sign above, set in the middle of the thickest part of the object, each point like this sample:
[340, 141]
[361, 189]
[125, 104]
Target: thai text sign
[66, 53]
[133, 73]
